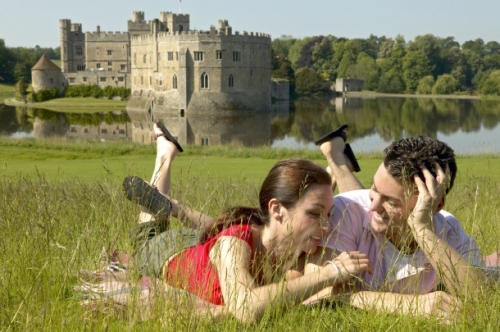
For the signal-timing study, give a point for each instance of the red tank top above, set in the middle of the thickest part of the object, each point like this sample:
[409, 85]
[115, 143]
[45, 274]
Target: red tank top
[192, 270]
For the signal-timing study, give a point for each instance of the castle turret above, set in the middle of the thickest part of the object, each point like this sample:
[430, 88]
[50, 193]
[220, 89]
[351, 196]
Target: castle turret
[175, 22]
[137, 25]
[46, 75]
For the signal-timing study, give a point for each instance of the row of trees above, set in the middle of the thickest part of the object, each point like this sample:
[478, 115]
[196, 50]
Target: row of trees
[16, 62]
[392, 65]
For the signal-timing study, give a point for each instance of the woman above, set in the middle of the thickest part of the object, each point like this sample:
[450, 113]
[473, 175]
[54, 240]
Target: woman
[242, 262]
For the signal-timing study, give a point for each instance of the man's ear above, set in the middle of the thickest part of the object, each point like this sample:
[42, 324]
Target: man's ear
[441, 204]
[275, 209]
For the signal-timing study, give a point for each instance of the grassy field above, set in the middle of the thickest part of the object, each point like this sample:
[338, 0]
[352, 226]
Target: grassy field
[61, 203]
[6, 91]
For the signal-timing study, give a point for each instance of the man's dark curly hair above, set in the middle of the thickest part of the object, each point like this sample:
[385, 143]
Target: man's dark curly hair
[405, 158]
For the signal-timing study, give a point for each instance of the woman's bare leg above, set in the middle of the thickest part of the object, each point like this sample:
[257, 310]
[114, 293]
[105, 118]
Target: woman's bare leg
[166, 152]
[339, 167]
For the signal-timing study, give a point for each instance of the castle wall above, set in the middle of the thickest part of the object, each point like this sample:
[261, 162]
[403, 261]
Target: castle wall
[238, 68]
[345, 84]
[100, 77]
[280, 89]
[47, 79]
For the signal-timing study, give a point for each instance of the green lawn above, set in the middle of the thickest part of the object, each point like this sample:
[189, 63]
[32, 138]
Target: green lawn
[6, 91]
[61, 203]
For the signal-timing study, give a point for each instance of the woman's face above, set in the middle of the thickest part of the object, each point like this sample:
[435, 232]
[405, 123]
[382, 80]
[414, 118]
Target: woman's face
[309, 219]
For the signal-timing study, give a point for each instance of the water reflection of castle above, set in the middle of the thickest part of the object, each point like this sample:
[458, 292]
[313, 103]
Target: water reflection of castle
[248, 129]
[103, 131]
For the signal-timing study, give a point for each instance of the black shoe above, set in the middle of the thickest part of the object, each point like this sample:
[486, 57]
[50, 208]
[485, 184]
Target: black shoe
[340, 132]
[169, 136]
[139, 191]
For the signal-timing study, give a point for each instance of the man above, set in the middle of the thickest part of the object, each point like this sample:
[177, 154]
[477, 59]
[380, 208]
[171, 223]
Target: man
[399, 223]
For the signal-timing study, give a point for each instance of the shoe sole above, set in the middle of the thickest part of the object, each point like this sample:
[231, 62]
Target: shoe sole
[139, 191]
[339, 132]
[169, 136]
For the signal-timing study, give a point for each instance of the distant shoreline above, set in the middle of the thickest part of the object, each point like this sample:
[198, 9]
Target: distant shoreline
[369, 95]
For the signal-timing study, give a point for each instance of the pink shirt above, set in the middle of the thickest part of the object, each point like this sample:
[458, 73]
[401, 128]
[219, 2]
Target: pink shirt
[393, 271]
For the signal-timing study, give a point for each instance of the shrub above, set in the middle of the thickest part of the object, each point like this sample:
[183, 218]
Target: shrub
[45, 94]
[309, 82]
[445, 85]
[425, 85]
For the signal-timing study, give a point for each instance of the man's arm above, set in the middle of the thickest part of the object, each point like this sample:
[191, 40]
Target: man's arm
[458, 275]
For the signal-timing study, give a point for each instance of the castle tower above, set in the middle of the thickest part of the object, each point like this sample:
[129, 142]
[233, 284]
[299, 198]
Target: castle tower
[175, 22]
[46, 75]
[137, 25]
[72, 46]
[65, 32]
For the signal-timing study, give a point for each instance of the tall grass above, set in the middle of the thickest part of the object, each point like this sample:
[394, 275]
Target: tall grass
[51, 228]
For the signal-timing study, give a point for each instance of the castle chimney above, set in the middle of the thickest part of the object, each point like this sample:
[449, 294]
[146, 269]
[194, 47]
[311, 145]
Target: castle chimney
[98, 29]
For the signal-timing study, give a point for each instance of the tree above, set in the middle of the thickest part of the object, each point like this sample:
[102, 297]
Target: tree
[476, 46]
[282, 68]
[430, 46]
[309, 82]
[282, 45]
[445, 85]
[425, 85]
[6, 63]
[490, 84]
[322, 56]
[21, 91]
[294, 52]
[415, 67]
[366, 69]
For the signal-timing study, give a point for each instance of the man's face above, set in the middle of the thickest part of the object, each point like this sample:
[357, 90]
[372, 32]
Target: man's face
[391, 204]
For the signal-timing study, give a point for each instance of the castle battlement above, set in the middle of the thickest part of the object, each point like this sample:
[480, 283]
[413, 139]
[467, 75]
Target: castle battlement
[110, 35]
[180, 35]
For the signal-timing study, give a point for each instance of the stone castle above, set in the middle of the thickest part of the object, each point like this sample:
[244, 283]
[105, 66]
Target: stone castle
[168, 66]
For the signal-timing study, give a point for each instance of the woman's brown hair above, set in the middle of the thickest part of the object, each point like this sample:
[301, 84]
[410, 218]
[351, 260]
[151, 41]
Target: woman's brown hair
[288, 181]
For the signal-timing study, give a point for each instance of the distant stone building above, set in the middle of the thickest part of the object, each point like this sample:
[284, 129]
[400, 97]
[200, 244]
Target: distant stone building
[346, 84]
[46, 75]
[176, 69]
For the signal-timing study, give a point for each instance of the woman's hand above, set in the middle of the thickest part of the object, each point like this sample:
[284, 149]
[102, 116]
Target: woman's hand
[347, 264]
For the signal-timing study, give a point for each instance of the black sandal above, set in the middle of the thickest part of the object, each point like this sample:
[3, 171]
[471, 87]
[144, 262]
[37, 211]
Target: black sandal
[168, 136]
[340, 132]
[139, 191]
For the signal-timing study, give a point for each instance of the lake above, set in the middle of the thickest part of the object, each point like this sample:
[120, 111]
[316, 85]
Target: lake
[468, 126]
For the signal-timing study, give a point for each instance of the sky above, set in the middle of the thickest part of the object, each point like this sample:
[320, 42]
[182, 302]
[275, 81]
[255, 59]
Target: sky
[36, 22]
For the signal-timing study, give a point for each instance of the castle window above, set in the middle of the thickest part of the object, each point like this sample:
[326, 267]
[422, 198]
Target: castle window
[204, 141]
[251, 72]
[181, 28]
[236, 56]
[170, 56]
[104, 131]
[123, 67]
[218, 54]
[98, 65]
[204, 81]
[84, 79]
[159, 56]
[102, 79]
[121, 79]
[80, 67]
[86, 130]
[231, 81]
[121, 131]
[161, 80]
[174, 82]
[73, 130]
[135, 58]
[142, 80]
[78, 51]
[150, 80]
[198, 56]
[72, 80]
[110, 63]
[144, 58]
[110, 52]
